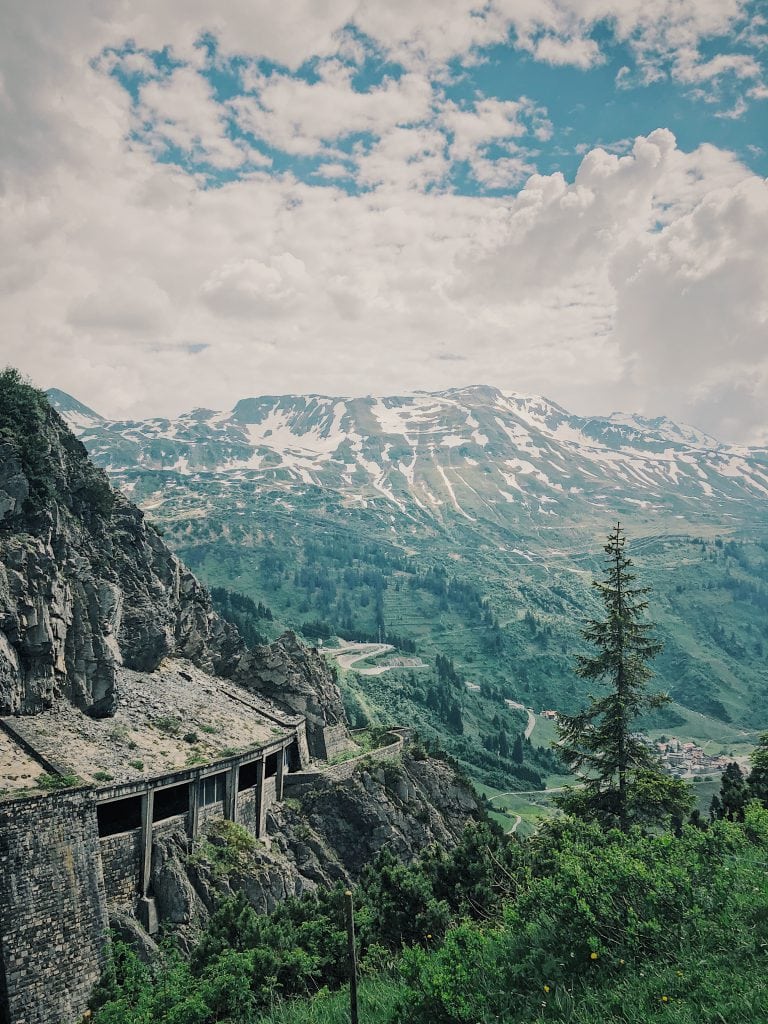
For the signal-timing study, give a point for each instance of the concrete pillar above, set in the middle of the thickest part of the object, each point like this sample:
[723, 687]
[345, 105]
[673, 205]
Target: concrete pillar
[145, 870]
[280, 775]
[230, 793]
[261, 812]
[193, 822]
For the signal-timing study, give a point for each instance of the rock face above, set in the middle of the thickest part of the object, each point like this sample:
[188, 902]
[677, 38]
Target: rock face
[301, 680]
[404, 804]
[326, 836]
[85, 583]
[87, 586]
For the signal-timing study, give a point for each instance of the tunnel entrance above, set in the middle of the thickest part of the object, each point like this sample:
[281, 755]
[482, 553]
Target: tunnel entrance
[270, 768]
[170, 802]
[118, 816]
[248, 776]
[292, 757]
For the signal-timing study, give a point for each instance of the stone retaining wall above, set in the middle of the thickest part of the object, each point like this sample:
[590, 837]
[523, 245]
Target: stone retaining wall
[176, 823]
[53, 908]
[246, 810]
[210, 812]
[120, 859]
[345, 770]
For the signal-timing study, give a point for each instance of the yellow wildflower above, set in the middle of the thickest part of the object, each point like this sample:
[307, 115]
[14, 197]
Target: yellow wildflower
[593, 956]
[665, 999]
[546, 988]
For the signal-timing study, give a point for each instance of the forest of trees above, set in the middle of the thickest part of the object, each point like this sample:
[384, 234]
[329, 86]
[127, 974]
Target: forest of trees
[625, 907]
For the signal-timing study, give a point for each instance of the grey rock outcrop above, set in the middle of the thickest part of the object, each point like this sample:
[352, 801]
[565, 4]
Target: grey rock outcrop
[87, 585]
[326, 836]
[127, 929]
[301, 680]
[174, 894]
[405, 805]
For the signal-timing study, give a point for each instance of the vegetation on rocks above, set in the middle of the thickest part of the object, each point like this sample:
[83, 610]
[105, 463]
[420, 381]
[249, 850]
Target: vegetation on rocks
[53, 461]
[578, 924]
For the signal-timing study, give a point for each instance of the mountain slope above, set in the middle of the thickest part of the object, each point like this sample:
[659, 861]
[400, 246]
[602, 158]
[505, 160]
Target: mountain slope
[472, 452]
[88, 588]
[468, 524]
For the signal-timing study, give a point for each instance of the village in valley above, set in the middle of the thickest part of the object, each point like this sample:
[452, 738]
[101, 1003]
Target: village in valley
[684, 758]
[681, 758]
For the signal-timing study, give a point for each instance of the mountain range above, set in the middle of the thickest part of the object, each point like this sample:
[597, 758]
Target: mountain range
[475, 453]
[466, 525]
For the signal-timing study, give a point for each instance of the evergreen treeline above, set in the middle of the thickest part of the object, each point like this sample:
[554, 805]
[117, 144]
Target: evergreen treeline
[243, 612]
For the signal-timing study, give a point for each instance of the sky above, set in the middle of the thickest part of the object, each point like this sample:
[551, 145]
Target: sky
[201, 202]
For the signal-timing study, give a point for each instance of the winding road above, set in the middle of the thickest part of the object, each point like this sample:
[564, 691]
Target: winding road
[531, 725]
[353, 652]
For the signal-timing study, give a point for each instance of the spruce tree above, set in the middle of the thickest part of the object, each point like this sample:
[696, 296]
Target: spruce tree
[758, 777]
[517, 750]
[734, 793]
[503, 744]
[622, 781]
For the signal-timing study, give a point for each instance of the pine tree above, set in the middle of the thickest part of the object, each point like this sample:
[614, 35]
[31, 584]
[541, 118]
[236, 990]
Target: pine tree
[622, 781]
[517, 750]
[503, 744]
[734, 793]
[758, 777]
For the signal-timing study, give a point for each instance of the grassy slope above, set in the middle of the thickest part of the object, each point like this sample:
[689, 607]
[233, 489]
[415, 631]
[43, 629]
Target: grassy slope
[320, 562]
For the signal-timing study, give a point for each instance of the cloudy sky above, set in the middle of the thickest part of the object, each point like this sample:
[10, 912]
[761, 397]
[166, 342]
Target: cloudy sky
[200, 201]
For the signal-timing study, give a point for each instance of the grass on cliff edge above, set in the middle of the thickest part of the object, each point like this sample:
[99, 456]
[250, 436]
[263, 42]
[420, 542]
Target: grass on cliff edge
[687, 992]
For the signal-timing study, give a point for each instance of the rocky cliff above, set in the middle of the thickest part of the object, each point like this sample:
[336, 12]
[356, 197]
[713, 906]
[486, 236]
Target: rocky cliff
[327, 835]
[288, 673]
[87, 585]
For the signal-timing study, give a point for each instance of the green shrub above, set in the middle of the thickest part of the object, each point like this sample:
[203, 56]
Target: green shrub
[576, 926]
[53, 782]
[168, 724]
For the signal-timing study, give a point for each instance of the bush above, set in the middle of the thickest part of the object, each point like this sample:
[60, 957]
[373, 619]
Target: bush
[595, 908]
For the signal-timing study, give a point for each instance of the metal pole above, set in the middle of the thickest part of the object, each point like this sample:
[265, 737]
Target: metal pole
[350, 915]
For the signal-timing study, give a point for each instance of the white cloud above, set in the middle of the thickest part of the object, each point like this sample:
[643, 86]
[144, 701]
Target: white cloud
[300, 117]
[641, 283]
[497, 123]
[249, 287]
[404, 158]
[130, 304]
[577, 51]
[489, 120]
[180, 111]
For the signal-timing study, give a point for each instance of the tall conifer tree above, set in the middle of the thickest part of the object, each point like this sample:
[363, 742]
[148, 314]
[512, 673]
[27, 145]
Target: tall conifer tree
[622, 781]
[758, 777]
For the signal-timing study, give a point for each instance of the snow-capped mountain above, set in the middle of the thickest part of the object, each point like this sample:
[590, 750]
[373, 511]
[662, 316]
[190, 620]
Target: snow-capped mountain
[473, 452]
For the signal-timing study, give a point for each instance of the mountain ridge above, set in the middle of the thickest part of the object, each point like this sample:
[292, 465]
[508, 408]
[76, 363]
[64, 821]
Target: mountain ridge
[464, 451]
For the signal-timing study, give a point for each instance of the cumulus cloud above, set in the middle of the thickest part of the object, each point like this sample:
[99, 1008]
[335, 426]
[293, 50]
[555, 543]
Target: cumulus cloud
[180, 111]
[248, 287]
[301, 117]
[495, 123]
[640, 282]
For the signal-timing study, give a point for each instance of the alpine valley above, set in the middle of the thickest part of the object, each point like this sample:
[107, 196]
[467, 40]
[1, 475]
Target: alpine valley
[463, 528]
